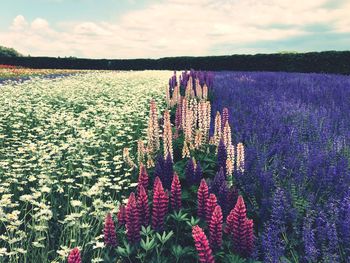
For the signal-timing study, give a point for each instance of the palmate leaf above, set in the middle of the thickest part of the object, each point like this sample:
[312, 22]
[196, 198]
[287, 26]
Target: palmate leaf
[165, 236]
[149, 244]
[179, 216]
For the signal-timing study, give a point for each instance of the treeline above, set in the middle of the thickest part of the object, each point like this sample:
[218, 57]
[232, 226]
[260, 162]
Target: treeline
[326, 62]
[9, 52]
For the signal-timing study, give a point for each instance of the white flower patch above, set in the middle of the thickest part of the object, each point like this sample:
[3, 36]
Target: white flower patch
[61, 157]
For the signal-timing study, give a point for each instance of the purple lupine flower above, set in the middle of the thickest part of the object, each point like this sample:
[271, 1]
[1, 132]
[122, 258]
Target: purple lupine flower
[344, 223]
[279, 209]
[331, 253]
[222, 156]
[159, 167]
[232, 196]
[273, 247]
[189, 172]
[198, 174]
[310, 249]
[222, 198]
[168, 172]
[219, 179]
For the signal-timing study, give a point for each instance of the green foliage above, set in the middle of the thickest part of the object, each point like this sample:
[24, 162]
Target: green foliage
[320, 62]
[8, 52]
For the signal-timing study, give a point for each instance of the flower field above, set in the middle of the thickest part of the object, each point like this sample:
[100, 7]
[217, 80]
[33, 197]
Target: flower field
[297, 135]
[61, 158]
[9, 73]
[202, 167]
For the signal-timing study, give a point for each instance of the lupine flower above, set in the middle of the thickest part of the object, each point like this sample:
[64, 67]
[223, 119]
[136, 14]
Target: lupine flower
[121, 215]
[249, 237]
[230, 162]
[217, 128]
[202, 118]
[198, 174]
[176, 96]
[218, 180]
[143, 178]
[202, 196]
[167, 94]
[155, 183]
[222, 198]
[232, 196]
[205, 92]
[310, 249]
[207, 120]
[344, 222]
[159, 168]
[133, 226]
[189, 90]
[226, 135]
[225, 118]
[150, 161]
[188, 131]
[280, 209]
[168, 172]
[189, 172]
[127, 159]
[160, 206]
[178, 116]
[240, 229]
[332, 251]
[167, 136]
[209, 207]
[222, 156]
[215, 228]
[74, 256]
[185, 151]
[141, 151]
[153, 129]
[184, 113]
[194, 109]
[205, 253]
[198, 90]
[175, 197]
[143, 207]
[110, 237]
[272, 245]
[197, 139]
[240, 157]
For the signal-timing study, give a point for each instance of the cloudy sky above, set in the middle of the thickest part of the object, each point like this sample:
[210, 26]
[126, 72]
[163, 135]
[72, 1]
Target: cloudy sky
[159, 28]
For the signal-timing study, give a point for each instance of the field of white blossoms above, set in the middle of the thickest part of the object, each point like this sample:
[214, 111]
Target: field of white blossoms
[61, 158]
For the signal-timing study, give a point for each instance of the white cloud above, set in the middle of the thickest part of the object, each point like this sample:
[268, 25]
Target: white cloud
[176, 27]
[39, 24]
[19, 23]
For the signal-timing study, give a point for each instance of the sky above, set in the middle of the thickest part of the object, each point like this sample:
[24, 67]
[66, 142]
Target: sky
[163, 28]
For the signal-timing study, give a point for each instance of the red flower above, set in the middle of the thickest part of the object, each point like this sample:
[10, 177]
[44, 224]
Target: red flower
[133, 226]
[142, 206]
[249, 228]
[156, 182]
[121, 215]
[202, 197]
[240, 229]
[175, 193]
[210, 206]
[160, 205]
[215, 228]
[143, 178]
[110, 236]
[74, 256]
[205, 253]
